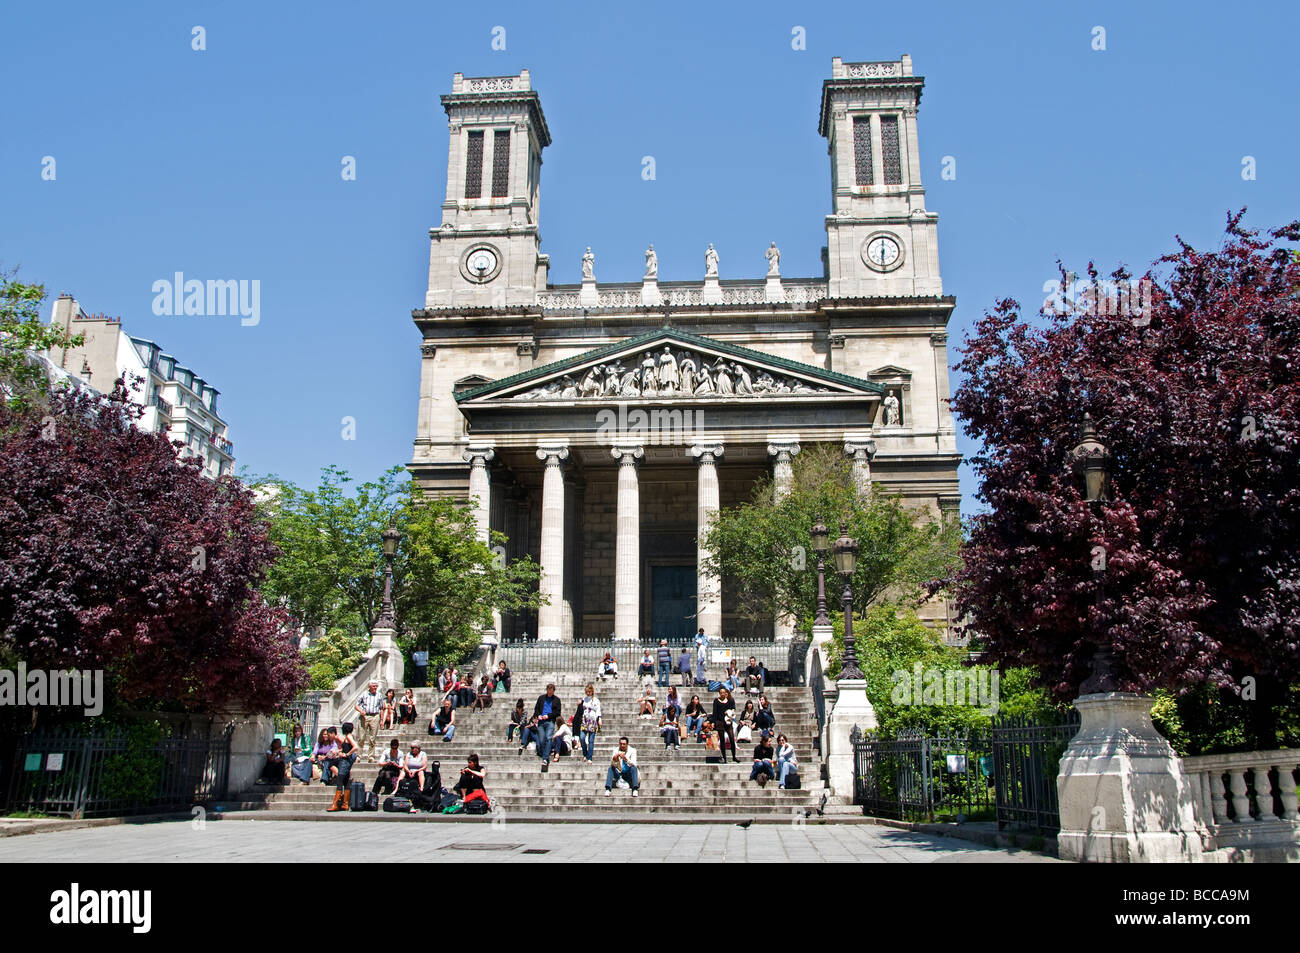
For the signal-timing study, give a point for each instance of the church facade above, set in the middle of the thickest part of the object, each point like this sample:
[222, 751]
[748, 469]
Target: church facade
[599, 426]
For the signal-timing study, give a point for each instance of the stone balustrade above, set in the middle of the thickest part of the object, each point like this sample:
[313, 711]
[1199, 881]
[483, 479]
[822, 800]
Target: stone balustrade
[1248, 802]
[796, 292]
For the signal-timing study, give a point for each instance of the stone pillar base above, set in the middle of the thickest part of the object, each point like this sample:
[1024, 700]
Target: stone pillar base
[1123, 794]
[772, 290]
[852, 707]
[650, 291]
[588, 297]
[712, 290]
[393, 673]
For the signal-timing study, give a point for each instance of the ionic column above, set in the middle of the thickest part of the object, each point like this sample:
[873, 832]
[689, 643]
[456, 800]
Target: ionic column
[862, 451]
[627, 549]
[550, 616]
[782, 453]
[708, 587]
[480, 501]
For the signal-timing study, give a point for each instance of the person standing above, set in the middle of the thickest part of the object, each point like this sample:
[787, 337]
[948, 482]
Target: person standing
[368, 707]
[724, 710]
[547, 711]
[665, 659]
[589, 723]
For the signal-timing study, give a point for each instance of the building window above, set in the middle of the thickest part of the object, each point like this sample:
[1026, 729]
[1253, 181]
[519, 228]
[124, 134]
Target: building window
[474, 165]
[889, 147]
[501, 164]
[862, 150]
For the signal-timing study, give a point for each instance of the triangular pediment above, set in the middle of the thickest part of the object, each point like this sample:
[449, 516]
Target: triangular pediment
[669, 364]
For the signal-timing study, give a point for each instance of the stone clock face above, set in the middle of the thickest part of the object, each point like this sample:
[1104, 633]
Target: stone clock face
[482, 263]
[882, 252]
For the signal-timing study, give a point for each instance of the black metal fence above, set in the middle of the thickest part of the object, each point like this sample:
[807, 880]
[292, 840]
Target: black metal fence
[75, 772]
[1026, 760]
[585, 655]
[1008, 775]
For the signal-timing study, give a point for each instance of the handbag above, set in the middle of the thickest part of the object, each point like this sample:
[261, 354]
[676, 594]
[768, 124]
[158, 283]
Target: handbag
[397, 805]
[711, 741]
[744, 733]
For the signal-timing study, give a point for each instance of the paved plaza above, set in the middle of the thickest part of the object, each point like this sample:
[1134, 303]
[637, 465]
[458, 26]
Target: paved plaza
[228, 841]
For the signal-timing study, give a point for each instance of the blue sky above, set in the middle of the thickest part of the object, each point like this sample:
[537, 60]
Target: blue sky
[225, 163]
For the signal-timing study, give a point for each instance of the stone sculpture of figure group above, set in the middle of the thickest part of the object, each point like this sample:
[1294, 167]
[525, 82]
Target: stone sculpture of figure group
[670, 374]
[773, 256]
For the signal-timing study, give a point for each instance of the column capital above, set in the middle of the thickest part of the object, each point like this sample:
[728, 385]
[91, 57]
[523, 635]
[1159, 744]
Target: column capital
[482, 454]
[707, 452]
[862, 449]
[782, 449]
[552, 455]
[627, 456]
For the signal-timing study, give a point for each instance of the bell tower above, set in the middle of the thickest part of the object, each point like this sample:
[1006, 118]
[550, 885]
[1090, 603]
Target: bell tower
[880, 240]
[486, 253]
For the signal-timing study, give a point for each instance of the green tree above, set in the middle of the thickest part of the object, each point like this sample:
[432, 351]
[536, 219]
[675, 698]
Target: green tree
[764, 547]
[331, 568]
[23, 381]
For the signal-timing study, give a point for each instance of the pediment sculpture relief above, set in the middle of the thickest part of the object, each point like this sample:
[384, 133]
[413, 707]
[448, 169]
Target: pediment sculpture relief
[670, 373]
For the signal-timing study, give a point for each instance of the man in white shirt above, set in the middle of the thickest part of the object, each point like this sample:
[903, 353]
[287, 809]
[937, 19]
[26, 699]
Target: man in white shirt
[623, 767]
[368, 707]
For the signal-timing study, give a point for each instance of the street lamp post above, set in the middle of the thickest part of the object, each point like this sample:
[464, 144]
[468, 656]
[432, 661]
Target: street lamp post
[391, 537]
[846, 559]
[1095, 463]
[821, 545]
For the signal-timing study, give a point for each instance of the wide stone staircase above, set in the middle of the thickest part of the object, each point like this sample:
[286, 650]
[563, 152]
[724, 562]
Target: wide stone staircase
[673, 782]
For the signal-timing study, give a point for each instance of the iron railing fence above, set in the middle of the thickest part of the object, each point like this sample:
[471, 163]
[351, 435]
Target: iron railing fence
[585, 655]
[1007, 775]
[1026, 760]
[916, 777]
[75, 772]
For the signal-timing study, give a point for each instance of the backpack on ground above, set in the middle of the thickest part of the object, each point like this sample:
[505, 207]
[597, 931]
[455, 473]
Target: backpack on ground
[478, 805]
[397, 805]
[407, 788]
[447, 799]
[792, 781]
[372, 801]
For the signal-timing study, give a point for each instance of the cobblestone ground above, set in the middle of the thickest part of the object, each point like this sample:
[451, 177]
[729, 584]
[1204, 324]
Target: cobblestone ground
[235, 841]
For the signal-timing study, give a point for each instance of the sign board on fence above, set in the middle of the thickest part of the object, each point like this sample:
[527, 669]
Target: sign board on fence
[54, 762]
[32, 762]
[720, 656]
[956, 764]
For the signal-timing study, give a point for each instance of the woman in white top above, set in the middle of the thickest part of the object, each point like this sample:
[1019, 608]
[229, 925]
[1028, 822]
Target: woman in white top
[416, 762]
[785, 758]
[591, 715]
[647, 703]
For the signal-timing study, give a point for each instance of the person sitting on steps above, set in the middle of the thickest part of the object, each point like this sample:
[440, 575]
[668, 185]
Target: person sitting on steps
[443, 721]
[390, 769]
[406, 713]
[518, 718]
[745, 722]
[564, 741]
[388, 713]
[753, 677]
[416, 763]
[483, 698]
[327, 752]
[764, 768]
[764, 717]
[501, 677]
[607, 668]
[786, 761]
[646, 666]
[695, 718]
[273, 770]
[673, 700]
[647, 704]
[622, 767]
[670, 729]
[471, 777]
